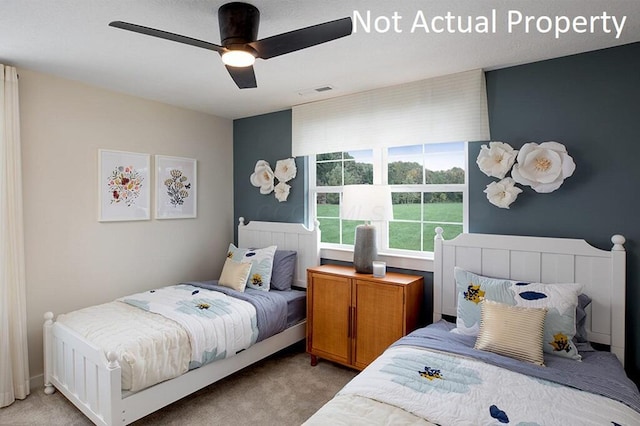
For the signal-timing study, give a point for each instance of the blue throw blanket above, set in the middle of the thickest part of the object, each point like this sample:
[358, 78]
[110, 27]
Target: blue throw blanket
[271, 308]
[599, 372]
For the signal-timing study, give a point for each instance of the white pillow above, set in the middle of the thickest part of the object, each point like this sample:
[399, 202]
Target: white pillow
[234, 275]
[261, 261]
[512, 331]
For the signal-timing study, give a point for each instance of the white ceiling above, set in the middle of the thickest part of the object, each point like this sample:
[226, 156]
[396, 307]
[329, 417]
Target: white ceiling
[71, 39]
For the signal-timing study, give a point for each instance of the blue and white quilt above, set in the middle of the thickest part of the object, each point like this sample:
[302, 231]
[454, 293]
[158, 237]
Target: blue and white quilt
[448, 388]
[218, 325]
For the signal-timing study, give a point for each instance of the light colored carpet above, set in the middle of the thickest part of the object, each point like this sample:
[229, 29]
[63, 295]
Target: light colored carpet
[281, 390]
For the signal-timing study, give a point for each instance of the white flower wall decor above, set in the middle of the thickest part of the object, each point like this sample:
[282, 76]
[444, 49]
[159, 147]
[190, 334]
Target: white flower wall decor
[502, 193]
[282, 191]
[286, 169]
[264, 177]
[543, 167]
[496, 159]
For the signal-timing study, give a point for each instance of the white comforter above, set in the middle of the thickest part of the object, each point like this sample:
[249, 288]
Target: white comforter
[447, 389]
[218, 325]
[151, 347]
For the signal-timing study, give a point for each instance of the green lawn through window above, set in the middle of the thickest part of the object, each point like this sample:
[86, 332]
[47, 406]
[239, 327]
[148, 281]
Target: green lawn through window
[403, 235]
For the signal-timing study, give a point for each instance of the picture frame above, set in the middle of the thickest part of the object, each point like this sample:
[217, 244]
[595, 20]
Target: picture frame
[124, 186]
[176, 187]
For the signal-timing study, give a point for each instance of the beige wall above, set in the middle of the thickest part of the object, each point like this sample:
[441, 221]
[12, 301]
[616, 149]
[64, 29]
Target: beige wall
[72, 260]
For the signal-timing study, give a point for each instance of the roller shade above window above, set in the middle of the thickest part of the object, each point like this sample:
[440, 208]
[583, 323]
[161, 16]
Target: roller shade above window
[443, 109]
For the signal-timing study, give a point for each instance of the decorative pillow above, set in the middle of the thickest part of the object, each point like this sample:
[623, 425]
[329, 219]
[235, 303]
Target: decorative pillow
[581, 318]
[234, 274]
[512, 331]
[284, 266]
[560, 300]
[261, 264]
[472, 289]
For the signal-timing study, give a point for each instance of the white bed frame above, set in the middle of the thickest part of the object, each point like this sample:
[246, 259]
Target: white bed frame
[540, 259]
[91, 380]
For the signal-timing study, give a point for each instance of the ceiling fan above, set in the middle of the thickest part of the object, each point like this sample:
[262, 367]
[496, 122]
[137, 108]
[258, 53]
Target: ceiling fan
[239, 32]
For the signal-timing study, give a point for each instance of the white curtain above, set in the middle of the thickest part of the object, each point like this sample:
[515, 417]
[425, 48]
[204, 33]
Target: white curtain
[14, 362]
[452, 108]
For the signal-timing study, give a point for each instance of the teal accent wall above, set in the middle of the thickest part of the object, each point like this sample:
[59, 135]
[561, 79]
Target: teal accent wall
[265, 137]
[589, 102]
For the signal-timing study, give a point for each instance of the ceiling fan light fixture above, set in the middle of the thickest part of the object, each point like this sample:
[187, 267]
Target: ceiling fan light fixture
[240, 46]
[238, 58]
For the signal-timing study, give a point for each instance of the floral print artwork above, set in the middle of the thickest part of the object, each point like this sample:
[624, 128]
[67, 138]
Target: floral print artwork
[178, 187]
[124, 183]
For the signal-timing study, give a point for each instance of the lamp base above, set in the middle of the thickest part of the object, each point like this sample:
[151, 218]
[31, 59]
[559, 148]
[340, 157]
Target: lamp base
[364, 249]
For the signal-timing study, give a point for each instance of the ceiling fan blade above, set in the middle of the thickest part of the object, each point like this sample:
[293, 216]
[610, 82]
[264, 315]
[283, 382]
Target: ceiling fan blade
[300, 39]
[244, 77]
[166, 35]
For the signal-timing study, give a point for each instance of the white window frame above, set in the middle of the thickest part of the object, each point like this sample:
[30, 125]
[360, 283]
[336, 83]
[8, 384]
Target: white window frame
[400, 258]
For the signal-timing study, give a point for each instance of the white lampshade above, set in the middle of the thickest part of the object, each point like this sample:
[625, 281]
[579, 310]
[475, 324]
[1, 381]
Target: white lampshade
[366, 202]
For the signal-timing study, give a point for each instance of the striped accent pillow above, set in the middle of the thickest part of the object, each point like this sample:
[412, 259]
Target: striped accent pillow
[512, 331]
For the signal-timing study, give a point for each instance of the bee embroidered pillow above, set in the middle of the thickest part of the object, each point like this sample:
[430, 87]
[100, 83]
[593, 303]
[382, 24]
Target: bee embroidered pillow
[261, 264]
[560, 300]
[473, 289]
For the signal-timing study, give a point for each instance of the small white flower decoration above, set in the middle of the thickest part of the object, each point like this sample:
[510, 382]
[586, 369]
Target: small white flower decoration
[544, 167]
[262, 177]
[496, 159]
[286, 169]
[502, 193]
[282, 191]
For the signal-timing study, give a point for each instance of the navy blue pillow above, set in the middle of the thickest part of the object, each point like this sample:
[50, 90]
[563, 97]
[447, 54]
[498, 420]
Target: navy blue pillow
[284, 267]
[581, 318]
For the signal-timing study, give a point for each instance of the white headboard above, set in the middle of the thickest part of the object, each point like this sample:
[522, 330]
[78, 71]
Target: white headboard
[287, 236]
[540, 259]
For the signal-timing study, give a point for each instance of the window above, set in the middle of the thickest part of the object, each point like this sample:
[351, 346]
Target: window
[333, 170]
[428, 184]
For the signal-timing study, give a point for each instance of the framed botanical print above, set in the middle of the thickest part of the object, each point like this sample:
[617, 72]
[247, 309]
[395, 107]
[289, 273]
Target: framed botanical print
[176, 187]
[124, 186]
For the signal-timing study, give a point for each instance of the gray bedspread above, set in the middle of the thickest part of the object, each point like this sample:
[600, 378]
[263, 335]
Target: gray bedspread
[271, 308]
[599, 372]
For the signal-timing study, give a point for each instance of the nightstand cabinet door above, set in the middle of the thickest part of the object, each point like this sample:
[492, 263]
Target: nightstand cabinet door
[378, 319]
[328, 307]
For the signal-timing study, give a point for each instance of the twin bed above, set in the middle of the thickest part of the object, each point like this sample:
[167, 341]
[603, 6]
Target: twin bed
[439, 376]
[434, 375]
[112, 383]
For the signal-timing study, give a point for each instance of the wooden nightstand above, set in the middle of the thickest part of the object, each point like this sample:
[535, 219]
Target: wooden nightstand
[352, 318]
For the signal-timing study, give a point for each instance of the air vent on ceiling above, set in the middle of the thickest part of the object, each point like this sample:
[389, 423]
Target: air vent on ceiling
[316, 90]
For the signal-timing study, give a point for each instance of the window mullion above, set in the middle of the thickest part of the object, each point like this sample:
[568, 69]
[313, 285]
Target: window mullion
[380, 176]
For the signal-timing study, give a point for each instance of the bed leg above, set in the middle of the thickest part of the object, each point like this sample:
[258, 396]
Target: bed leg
[314, 360]
[49, 388]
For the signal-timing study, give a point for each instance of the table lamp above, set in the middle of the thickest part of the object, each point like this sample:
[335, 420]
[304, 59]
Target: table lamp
[368, 203]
